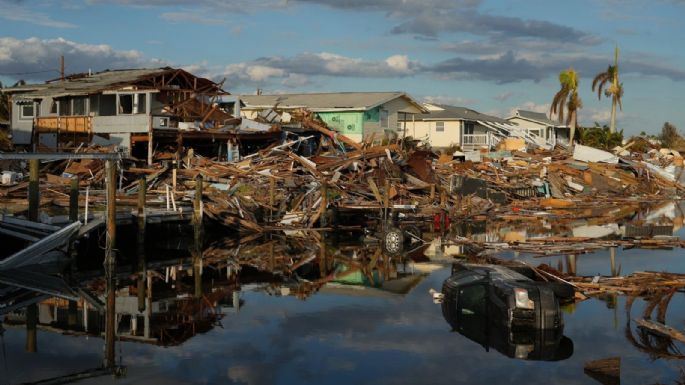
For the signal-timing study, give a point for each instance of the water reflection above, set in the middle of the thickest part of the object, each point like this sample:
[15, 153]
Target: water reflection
[270, 308]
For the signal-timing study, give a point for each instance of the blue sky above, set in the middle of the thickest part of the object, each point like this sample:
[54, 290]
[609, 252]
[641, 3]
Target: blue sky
[493, 56]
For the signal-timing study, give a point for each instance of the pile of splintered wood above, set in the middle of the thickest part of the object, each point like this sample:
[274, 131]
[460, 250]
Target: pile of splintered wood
[640, 283]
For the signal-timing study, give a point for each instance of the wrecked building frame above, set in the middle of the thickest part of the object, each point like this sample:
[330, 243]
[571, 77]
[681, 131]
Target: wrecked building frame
[123, 107]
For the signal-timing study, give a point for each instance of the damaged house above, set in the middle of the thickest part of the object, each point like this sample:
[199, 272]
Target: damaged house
[138, 110]
[370, 116]
[539, 125]
[445, 126]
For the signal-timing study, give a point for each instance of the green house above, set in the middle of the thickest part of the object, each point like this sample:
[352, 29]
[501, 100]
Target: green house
[358, 115]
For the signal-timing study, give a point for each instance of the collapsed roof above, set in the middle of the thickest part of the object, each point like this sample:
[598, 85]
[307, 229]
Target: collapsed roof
[147, 78]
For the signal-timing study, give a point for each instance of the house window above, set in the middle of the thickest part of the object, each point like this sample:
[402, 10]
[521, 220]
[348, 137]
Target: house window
[64, 107]
[26, 111]
[132, 104]
[468, 129]
[384, 119]
[79, 106]
[53, 107]
[439, 126]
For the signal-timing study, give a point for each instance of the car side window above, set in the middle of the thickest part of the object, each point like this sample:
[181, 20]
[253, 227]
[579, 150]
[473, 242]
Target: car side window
[472, 300]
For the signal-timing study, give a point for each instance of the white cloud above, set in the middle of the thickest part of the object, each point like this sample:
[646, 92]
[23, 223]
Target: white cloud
[23, 58]
[399, 63]
[192, 18]
[297, 71]
[19, 12]
[296, 80]
[449, 100]
[504, 96]
[531, 106]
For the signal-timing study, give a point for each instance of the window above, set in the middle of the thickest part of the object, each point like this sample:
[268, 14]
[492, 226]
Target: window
[64, 107]
[439, 126]
[384, 119]
[26, 111]
[53, 107]
[126, 104]
[468, 128]
[132, 104]
[79, 106]
[107, 105]
[472, 300]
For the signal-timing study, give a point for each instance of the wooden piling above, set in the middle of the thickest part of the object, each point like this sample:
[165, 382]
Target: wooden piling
[34, 194]
[142, 223]
[72, 313]
[142, 275]
[110, 331]
[34, 202]
[73, 200]
[142, 201]
[31, 324]
[197, 226]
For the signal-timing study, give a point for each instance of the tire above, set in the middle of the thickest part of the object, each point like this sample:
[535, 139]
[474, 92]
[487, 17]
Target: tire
[415, 231]
[393, 240]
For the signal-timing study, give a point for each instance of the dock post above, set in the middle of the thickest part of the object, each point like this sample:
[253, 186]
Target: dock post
[110, 178]
[72, 314]
[142, 223]
[34, 202]
[31, 323]
[197, 244]
[34, 194]
[142, 201]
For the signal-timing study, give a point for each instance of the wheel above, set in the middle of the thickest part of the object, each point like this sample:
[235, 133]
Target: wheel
[413, 233]
[393, 240]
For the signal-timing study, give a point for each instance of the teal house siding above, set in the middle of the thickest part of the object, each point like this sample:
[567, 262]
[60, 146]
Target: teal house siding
[347, 123]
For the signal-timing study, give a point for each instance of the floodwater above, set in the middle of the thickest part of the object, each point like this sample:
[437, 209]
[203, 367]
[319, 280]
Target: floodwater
[286, 311]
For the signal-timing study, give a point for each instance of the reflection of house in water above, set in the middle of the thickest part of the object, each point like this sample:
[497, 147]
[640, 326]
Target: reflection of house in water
[166, 311]
[299, 268]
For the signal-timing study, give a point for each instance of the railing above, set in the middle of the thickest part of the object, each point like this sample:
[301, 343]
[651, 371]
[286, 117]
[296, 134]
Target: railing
[476, 139]
[64, 124]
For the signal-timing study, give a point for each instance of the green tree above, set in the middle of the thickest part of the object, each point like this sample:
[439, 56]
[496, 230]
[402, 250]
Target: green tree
[600, 137]
[615, 89]
[567, 97]
[4, 100]
[4, 106]
[669, 135]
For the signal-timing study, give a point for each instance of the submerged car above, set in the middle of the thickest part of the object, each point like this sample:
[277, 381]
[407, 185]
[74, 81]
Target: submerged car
[497, 306]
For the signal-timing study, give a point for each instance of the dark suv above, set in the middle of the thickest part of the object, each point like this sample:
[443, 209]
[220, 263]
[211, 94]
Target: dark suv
[499, 307]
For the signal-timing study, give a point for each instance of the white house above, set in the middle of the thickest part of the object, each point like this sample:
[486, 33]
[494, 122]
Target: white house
[444, 126]
[538, 124]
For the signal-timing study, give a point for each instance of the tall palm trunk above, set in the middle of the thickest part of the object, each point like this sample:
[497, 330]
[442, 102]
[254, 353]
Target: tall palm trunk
[614, 83]
[612, 126]
[572, 128]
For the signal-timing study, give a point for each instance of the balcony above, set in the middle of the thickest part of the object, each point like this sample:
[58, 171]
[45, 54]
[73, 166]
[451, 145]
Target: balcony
[64, 124]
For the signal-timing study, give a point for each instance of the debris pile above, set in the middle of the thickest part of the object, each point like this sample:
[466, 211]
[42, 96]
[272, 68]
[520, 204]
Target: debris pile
[318, 178]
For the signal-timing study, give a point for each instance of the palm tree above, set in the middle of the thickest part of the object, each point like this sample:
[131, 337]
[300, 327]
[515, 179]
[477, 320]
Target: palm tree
[4, 100]
[4, 110]
[568, 95]
[615, 89]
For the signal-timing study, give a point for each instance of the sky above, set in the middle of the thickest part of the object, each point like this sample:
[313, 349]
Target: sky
[490, 55]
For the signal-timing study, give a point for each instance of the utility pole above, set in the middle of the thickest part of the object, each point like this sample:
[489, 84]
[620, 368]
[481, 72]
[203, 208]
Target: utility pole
[61, 68]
